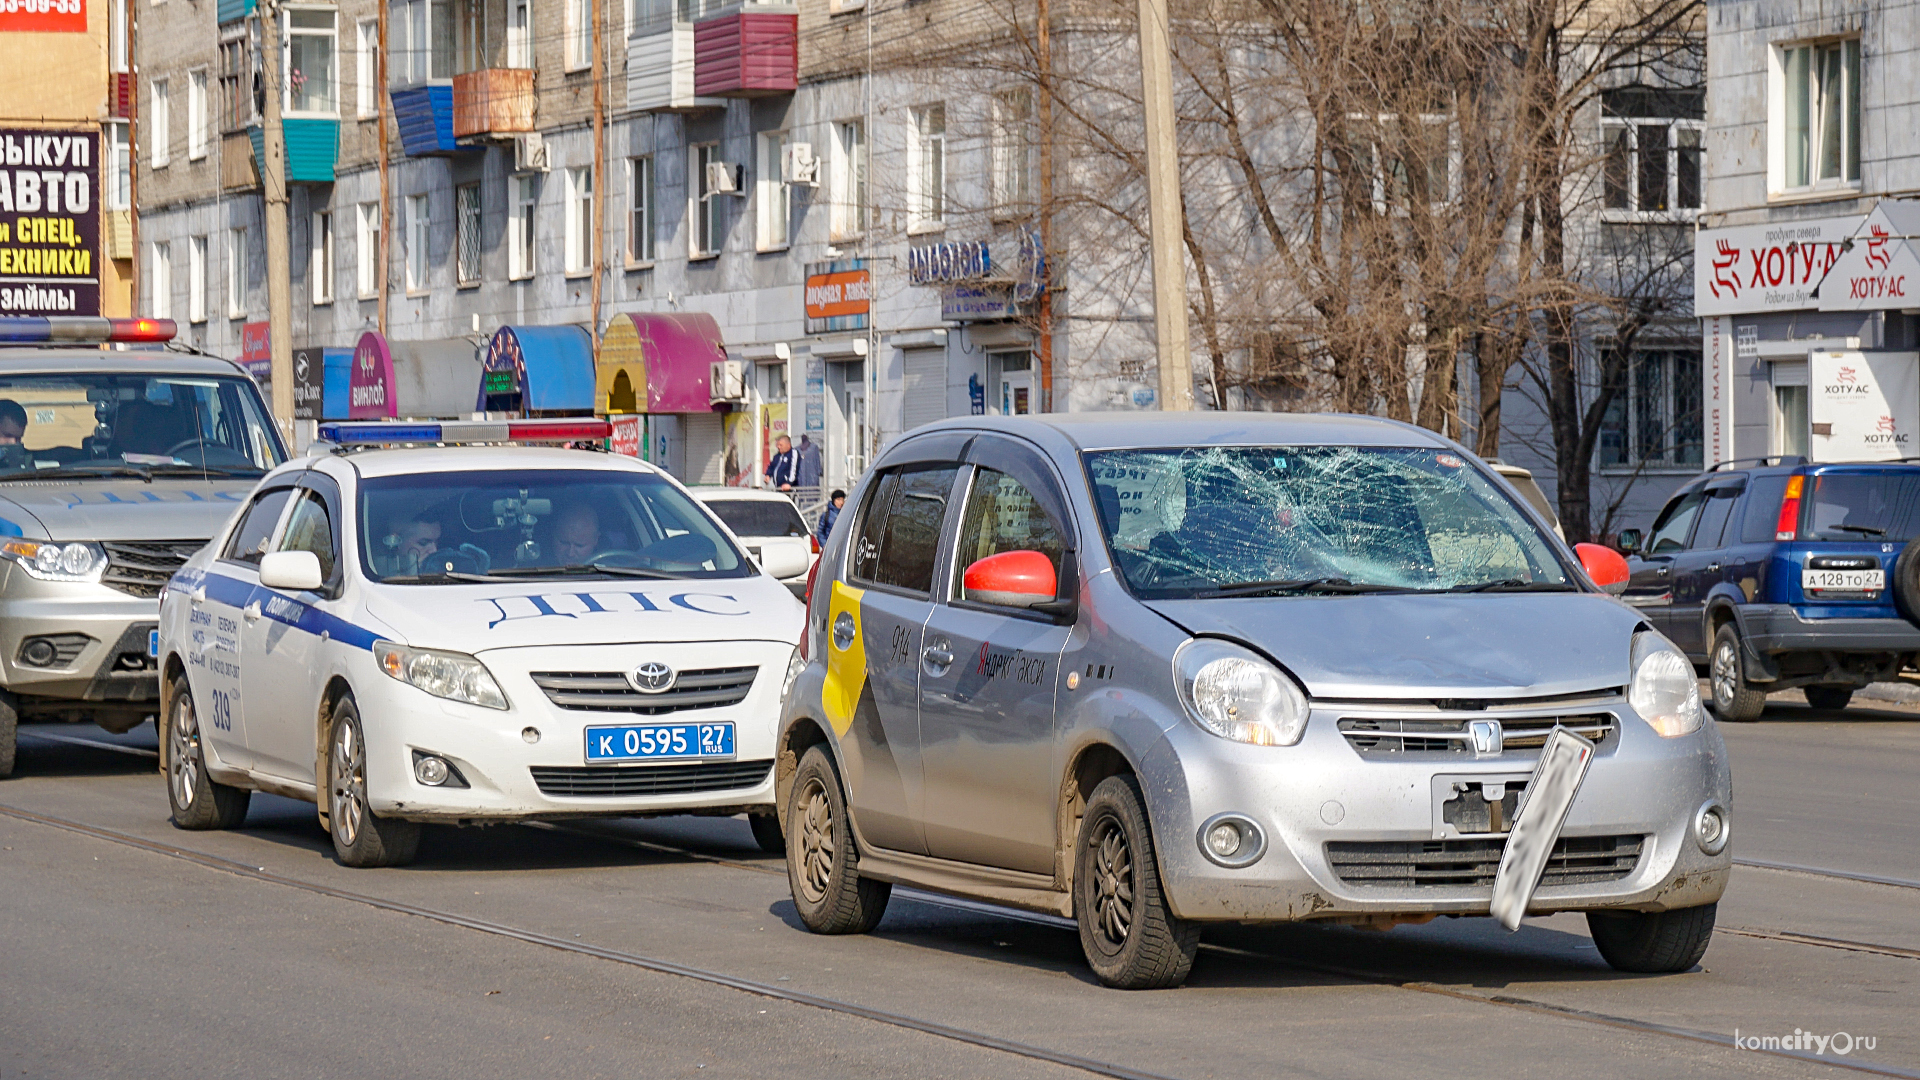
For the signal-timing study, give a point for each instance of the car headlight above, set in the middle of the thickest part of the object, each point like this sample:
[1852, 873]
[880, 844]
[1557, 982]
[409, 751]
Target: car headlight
[1664, 691]
[795, 665]
[79, 560]
[1234, 693]
[450, 675]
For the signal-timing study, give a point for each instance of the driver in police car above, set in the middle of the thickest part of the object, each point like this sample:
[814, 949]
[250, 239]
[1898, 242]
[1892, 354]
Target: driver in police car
[13, 428]
[412, 539]
[576, 534]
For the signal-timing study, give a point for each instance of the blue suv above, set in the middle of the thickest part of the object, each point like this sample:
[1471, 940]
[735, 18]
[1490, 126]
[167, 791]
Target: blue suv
[1775, 574]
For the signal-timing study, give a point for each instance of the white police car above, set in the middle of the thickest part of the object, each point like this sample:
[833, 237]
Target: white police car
[471, 634]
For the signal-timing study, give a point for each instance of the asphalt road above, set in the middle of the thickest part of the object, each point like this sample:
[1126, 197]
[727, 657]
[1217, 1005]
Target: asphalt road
[670, 948]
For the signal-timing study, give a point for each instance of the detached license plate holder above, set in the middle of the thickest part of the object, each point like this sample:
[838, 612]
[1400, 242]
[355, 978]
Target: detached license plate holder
[1543, 811]
[613, 743]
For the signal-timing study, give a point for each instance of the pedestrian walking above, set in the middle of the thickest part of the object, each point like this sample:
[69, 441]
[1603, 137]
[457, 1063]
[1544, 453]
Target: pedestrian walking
[831, 515]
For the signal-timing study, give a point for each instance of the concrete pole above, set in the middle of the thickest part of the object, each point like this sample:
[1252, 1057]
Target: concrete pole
[274, 182]
[380, 256]
[1163, 198]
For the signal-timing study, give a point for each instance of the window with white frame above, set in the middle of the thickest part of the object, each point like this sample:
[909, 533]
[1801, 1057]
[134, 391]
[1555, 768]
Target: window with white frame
[312, 62]
[1406, 165]
[196, 114]
[520, 213]
[1654, 418]
[420, 41]
[1813, 109]
[419, 236]
[771, 197]
[159, 120]
[466, 233]
[1652, 140]
[519, 33]
[1014, 152]
[640, 210]
[320, 258]
[366, 249]
[850, 213]
[160, 279]
[366, 68]
[579, 220]
[119, 171]
[197, 279]
[237, 273]
[119, 55]
[709, 210]
[579, 34]
[927, 173]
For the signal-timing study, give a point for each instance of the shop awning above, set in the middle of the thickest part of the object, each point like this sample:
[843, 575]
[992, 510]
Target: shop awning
[537, 369]
[669, 354]
[1879, 268]
[436, 378]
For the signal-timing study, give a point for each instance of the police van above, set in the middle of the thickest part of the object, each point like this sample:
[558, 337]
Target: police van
[440, 623]
[115, 466]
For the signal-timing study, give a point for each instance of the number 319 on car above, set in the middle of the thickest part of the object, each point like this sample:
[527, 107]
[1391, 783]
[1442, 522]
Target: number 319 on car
[656, 741]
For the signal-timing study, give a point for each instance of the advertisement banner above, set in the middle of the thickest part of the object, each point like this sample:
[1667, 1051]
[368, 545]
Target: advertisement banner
[628, 434]
[773, 424]
[1862, 406]
[1765, 267]
[838, 296]
[49, 218]
[44, 16]
[1880, 270]
[742, 460]
[1716, 407]
[309, 383]
[370, 384]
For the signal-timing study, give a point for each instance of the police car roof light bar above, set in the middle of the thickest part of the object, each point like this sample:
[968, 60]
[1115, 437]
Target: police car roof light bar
[82, 329]
[377, 432]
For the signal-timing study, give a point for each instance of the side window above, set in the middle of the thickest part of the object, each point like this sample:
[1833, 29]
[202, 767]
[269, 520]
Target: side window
[899, 532]
[1670, 534]
[1763, 509]
[311, 529]
[1714, 516]
[249, 541]
[1002, 515]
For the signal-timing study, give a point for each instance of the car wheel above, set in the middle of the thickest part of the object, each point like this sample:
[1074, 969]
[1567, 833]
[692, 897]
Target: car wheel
[1653, 942]
[196, 800]
[822, 866]
[359, 837]
[1733, 697]
[9, 733]
[1906, 581]
[1829, 697]
[766, 833]
[1132, 940]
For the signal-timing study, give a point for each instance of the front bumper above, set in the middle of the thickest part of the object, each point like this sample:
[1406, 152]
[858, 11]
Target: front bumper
[1323, 792]
[1778, 628]
[511, 779]
[111, 666]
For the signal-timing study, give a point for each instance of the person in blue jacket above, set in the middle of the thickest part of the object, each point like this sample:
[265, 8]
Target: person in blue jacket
[831, 515]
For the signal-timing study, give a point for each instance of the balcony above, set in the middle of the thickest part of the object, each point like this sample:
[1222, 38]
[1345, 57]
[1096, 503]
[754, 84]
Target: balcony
[227, 11]
[747, 54]
[492, 101]
[660, 71]
[424, 115]
[237, 170]
[312, 147]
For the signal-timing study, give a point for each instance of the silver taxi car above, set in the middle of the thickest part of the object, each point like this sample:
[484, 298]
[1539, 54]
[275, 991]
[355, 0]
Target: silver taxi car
[1153, 671]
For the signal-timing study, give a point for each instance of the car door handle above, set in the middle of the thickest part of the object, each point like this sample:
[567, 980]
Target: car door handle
[937, 656]
[251, 611]
[1713, 568]
[1664, 571]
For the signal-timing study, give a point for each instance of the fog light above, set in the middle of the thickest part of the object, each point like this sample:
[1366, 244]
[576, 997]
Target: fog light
[530, 734]
[430, 770]
[1232, 840]
[1711, 828]
[39, 652]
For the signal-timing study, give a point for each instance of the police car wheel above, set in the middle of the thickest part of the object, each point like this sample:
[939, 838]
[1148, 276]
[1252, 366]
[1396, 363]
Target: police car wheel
[360, 838]
[766, 833]
[197, 801]
[1133, 941]
[9, 733]
[822, 866]
[1653, 942]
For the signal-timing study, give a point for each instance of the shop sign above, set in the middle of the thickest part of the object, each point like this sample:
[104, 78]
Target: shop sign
[628, 432]
[49, 215]
[953, 260]
[839, 296]
[1880, 268]
[1773, 267]
[55, 16]
[370, 383]
[498, 382]
[1863, 406]
[974, 303]
[309, 383]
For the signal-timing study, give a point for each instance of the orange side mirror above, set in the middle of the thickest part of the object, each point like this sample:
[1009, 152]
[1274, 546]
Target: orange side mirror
[1021, 579]
[1607, 567]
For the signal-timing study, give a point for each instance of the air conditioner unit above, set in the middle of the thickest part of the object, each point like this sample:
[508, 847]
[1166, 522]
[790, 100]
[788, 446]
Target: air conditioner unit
[798, 166]
[726, 178]
[727, 380]
[529, 153]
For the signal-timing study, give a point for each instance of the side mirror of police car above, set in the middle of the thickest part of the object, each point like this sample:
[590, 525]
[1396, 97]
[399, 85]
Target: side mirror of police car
[785, 560]
[296, 570]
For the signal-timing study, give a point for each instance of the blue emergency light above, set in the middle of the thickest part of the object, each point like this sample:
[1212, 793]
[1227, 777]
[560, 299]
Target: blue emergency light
[385, 433]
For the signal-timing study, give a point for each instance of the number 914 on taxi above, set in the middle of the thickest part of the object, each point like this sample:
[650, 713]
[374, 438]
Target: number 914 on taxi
[442, 632]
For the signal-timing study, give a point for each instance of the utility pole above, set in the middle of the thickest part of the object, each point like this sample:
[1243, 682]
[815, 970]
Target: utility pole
[1163, 198]
[599, 167]
[274, 182]
[1044, 44]
[380, 90]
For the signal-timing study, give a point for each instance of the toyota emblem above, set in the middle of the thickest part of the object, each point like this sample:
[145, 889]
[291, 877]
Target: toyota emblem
[652, 677]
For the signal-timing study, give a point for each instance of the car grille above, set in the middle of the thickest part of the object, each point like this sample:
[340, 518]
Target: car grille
[142, 567]
[1448, 736]
[609, 691]
[1463, 864]
[625, 781]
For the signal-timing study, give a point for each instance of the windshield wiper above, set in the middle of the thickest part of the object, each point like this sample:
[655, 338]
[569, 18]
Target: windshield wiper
[71, 472]
[197, 470]
[1514, 585]
[1337, 585]
[1867, 529]
[441, 578]
[587, 568]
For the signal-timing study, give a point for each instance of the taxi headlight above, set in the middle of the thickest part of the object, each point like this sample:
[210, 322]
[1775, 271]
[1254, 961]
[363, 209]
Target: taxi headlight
[1664, 691]
[450, 675]
[1235, 694]
[79, 560]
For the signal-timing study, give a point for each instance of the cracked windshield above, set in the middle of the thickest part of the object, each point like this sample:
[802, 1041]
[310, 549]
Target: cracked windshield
[106, 424]
[1251, 521]
[537, 523]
